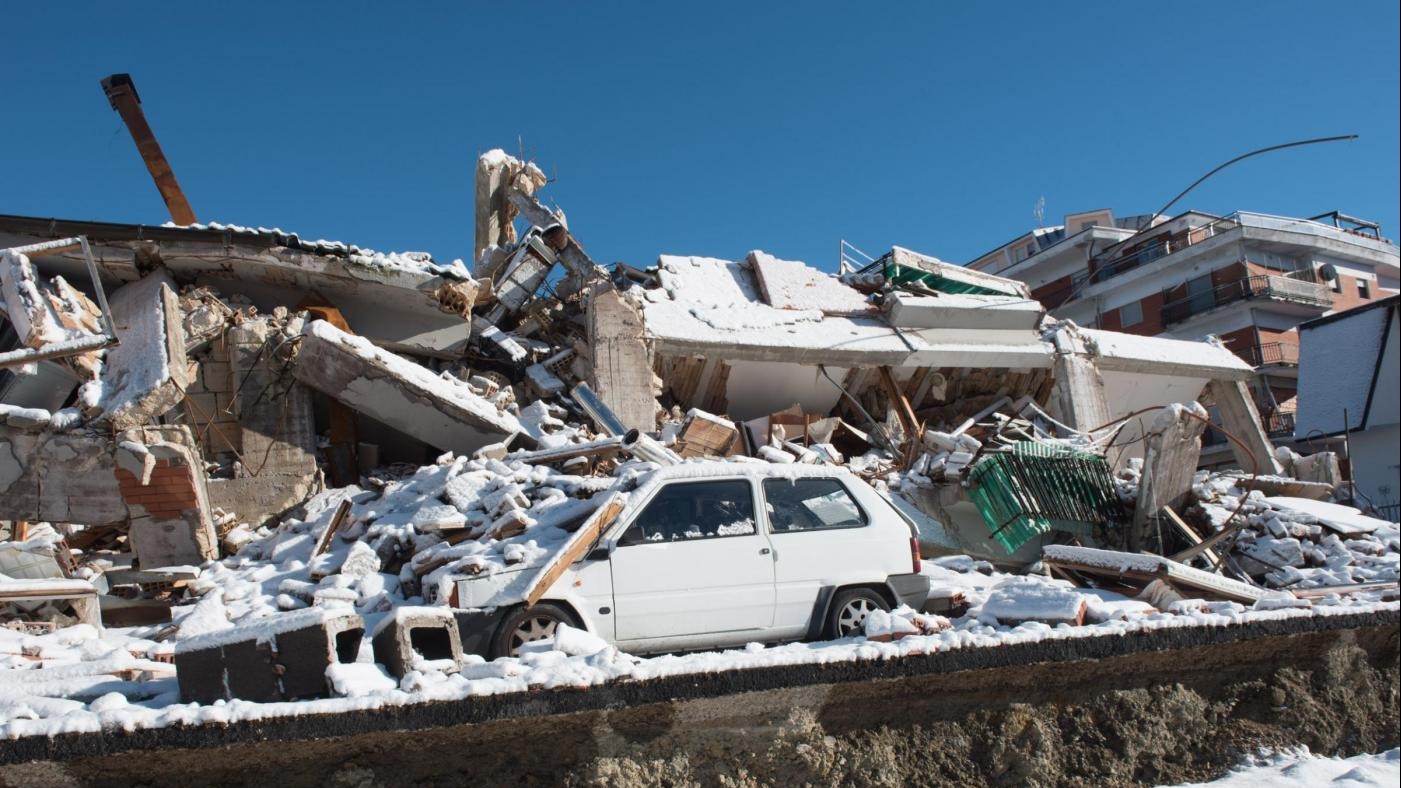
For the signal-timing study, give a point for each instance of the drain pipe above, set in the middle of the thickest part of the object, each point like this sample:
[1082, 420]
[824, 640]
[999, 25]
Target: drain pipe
[643, 447]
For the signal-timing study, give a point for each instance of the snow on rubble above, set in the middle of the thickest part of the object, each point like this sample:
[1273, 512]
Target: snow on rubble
[120, 678]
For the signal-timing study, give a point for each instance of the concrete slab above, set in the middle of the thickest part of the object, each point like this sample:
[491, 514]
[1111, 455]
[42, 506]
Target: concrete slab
[444, 413]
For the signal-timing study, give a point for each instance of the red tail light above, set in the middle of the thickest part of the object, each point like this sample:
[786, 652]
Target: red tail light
[914, 554]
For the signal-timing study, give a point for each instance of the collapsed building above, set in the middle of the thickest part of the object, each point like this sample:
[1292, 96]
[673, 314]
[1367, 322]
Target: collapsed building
[381, 423]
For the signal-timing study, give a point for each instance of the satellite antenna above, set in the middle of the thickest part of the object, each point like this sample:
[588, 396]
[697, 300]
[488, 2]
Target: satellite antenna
[1328, 273]
[1039, 212]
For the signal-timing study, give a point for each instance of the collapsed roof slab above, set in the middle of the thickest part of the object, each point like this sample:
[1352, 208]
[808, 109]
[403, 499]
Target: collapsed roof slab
[962, 311]
[442, 412]
[713, 308]
[400, 301]
[1117, 352]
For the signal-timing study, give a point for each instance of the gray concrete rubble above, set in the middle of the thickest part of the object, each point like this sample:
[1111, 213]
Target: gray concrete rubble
[291, 437]
[440, 411]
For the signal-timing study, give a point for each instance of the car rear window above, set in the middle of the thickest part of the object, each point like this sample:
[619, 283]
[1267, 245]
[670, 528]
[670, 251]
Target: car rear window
[695, 510]
[810, 505]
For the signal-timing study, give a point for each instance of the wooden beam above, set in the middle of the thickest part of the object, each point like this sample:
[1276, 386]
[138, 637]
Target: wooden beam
[574, 548]
[1191, 535]
[908, 421]
[121, 92]
[337, 522]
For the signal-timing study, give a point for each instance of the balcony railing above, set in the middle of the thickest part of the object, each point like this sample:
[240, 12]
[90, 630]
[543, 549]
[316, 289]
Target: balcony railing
[1171, 243]
[1160, 246]
[1278, 426]
[1266, 354]
[1277, 288]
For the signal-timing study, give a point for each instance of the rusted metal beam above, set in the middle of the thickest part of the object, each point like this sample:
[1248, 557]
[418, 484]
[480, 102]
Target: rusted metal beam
[121, 92]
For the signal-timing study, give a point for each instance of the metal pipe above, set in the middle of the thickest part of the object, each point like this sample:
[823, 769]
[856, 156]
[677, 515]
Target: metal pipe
[597, 410]
[643, 447]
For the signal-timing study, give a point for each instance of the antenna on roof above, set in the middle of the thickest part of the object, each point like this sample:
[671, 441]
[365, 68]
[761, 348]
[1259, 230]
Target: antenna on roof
[1039, 212]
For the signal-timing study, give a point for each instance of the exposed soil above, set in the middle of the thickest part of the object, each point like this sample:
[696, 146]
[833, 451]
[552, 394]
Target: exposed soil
[1140, 719]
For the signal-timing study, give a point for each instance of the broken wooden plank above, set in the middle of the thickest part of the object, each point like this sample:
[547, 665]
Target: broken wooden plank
[574, 549]
[1191, 535]
[1147, 567]
[338, 521]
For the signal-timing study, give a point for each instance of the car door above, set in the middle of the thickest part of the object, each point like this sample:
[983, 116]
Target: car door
[693, 562]
[821, 538]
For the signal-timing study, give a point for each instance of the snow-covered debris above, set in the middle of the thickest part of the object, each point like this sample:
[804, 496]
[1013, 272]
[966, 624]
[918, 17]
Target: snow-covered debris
[1299, 768]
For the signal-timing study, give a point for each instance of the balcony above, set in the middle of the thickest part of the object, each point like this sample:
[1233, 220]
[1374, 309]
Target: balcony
[1281, 289]
[1278, 426]
[1298, 232]
[1271, 354]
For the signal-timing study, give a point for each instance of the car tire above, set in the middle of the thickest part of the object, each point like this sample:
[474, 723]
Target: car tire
[850, 607]
[525, 625]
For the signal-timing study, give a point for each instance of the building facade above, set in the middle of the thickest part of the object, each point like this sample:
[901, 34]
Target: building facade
[1248, 278]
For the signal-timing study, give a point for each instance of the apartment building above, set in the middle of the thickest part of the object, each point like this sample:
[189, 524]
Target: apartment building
[1247, 278]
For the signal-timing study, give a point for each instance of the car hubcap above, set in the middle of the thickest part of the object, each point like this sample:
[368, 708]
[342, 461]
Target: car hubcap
[853, 616]
[530, 630]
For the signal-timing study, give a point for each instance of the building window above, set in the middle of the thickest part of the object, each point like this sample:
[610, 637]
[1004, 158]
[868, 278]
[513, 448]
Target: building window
[1364, 289]
[1131, 314]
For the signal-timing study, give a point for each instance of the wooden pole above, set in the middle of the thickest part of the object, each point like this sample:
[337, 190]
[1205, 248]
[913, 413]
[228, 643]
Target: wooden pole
[121, 92]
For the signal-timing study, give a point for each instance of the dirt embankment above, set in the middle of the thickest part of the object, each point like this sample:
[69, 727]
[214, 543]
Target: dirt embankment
[1139, 719]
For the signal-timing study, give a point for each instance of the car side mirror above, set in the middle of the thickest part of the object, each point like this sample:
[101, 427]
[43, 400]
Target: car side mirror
[598, 554]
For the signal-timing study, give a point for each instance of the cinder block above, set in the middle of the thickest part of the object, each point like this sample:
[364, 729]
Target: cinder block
[305, 653]
[283, 657]
[411, 634]
[200, 674]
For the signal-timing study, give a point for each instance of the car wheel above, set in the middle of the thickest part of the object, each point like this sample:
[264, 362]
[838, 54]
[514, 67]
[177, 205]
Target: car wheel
[526, 625]
[849, 611]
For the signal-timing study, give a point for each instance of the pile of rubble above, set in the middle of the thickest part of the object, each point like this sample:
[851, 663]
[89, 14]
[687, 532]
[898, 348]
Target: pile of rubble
[264, 453]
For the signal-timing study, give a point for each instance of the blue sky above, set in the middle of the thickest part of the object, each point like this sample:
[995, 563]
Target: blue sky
[705, 129]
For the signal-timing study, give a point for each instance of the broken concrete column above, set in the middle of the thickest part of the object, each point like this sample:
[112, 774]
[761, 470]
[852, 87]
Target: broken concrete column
[497, 170]
[276, 427]
[1172, 447]
[414, 634]
[622, 361]
[1240, 418]
[160, 474]
[442, 412]
[1079, 388]
[146, 374]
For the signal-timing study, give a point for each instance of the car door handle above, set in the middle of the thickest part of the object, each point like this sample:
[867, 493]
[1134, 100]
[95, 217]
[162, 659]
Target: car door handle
[763, 551]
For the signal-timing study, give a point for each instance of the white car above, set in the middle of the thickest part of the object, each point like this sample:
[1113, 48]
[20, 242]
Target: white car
[712, 555]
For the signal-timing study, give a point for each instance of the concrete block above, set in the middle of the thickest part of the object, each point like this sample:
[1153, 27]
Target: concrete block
[444, 413]
[305, 653]
[145, 375]
[414, 634]
[281, 657]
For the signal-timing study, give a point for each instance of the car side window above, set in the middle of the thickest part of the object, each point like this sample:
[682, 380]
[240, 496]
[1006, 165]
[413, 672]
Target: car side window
[810, 505]
[694, 510]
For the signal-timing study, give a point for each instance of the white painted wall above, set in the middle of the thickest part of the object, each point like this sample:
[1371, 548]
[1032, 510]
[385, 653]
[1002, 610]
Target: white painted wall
[758, 388]
[1376, 465]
